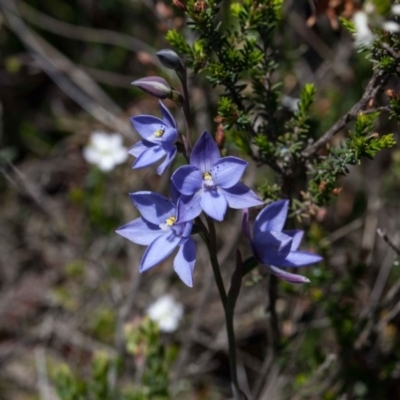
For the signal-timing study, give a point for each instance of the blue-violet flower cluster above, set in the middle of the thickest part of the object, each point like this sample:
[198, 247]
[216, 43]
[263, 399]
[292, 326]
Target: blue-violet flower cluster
[210, 183]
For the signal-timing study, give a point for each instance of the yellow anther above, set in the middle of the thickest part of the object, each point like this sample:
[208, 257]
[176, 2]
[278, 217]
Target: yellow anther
[207, 176]
[159, 133]
[170, 221]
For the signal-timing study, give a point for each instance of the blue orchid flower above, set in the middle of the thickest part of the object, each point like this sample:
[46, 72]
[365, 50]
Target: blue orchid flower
[211, 182]
[159, 137]
[162, 228]
[276, 248]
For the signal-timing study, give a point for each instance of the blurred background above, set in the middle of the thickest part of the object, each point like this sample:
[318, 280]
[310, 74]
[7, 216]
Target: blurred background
[73, 306]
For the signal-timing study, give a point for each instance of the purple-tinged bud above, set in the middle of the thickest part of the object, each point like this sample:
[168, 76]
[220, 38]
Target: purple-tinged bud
[180, 4]
[169, 59]
[155, 86]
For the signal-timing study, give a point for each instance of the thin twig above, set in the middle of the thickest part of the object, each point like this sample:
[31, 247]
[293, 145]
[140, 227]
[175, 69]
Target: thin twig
[391, 51]
[375, 84]
[387, 239]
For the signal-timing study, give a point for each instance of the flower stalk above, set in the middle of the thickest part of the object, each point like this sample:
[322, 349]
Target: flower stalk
[228, 308]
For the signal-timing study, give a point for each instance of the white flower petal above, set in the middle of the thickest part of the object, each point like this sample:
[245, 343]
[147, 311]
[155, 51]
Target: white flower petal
[391, 26]
[396, 9]
[105, 150]
[91, 155]
[100, 140]
[106, 163]
[120, 155]
[115, 141]
[363, 35]
[166, 312]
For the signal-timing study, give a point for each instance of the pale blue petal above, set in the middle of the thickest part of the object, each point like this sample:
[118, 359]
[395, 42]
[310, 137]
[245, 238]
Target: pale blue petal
[140, 231]
[184, 262]
[149, 157]
[300, 259]
[205, 153]
[240, 196]
[138, 148]
[189, 207]
[146, 125]
[272, 217]
[187, 179]
[167, 116]
[168, 160]
[158, 251]
[153, 207]
[297, 236]
[227, 171]
[272, 247]
[214, 204]
[287, 276]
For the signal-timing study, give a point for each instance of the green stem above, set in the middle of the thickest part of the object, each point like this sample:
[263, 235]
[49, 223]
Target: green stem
[212, 250]
[230, 330]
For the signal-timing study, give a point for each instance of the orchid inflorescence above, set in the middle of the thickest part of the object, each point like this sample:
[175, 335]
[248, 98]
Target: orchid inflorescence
[210, 184]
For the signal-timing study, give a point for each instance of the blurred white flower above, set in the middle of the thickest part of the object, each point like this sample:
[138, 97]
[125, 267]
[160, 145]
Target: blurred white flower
[363, 35]
[391, 26]
[396, 9]
[105, 150]
[291, 103]
[166, 312]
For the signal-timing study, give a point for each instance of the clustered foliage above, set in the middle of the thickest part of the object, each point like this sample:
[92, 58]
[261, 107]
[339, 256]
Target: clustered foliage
[240, 56]
[362, 142]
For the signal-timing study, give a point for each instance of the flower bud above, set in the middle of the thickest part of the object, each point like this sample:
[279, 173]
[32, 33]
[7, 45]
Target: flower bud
[169, 59]
[220, 136]
[390, 93]
[155, 86]
[180, 4]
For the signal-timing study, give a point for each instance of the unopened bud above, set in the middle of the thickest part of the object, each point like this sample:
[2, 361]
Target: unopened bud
[220, 136]
[390, 93]
[199, 6]
[169, 59]
[155, 86]
[322, 186]
[181, 4]
[336, 191]
[374, 135]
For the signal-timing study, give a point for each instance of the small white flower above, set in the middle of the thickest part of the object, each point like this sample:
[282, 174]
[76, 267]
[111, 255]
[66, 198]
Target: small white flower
[166, 312]
[105, 150]
[396, 9]
[291, 103]
[391, 26]
[363, 35]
